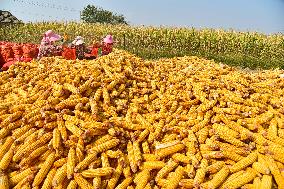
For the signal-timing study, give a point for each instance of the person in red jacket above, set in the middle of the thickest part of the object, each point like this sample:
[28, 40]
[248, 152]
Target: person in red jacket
[107, 45]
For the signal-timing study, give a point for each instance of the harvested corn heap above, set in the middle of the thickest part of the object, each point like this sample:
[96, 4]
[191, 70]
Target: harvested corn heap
[121, 122]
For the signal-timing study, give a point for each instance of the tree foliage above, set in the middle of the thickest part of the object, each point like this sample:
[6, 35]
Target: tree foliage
[93, 14]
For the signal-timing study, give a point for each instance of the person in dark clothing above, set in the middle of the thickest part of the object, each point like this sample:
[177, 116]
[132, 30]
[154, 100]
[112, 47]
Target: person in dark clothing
[80, 47]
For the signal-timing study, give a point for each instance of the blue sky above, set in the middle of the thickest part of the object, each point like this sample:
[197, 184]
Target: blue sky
[244, 15]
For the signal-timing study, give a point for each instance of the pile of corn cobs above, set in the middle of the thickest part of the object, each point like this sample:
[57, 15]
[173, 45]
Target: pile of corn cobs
[123, 122]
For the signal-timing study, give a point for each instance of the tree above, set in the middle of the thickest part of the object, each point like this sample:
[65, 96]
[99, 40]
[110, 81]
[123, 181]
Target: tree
[93, 14]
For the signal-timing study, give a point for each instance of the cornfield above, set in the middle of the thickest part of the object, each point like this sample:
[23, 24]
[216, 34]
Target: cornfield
[123, 122]
[244, 49]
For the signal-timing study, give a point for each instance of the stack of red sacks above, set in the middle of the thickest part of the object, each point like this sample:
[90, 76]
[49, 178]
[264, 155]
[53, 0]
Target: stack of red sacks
[13, 52]
[30, 51]
[8, 55]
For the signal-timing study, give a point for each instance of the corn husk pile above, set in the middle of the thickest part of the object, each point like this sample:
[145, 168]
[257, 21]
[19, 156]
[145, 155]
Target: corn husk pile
[123, 122]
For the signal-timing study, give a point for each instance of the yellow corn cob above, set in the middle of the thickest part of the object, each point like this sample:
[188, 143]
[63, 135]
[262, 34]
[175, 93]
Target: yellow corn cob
[24, 136]
[17, 133]
[224, 129]
[115, 177]
[105, 161]
[214, 168]
[48, 180]
[137, 153]
[144, 122]
[148, 186]
[178, 157]
[170, 165]
[243, 179]
[202, 135]
[114, 154]
[105, 146]
[60, 162]
[146, 148]
[83, 164]
[44, 170]
[275, 171]
[44, 156]
[98, 94]
[56, 139]
[32, 147]
[4, 132]
[266, 182]
[4, 181]
[186, 183]
[83, 183]
[80, 150]
[169, 150]
[219, 178]
[232, 155]
[281, 133]
[248, 186]
[60, 175]
[150, 157]
[256, 182]
[6, 160]
[153, 165]
[25, 181]
[131, 157]
[261, 168]
[173, 181]
[71, 163]
[91, 173]
[125, 183]
[95, 164]
[143, 135]
[246, 161]
[142, 179]
[190, 170]
[127, 172]
[70, 87]
[18, 177]
[158, 131]
[62, 128]
[200, 173]
[97, 182]
[74, 129]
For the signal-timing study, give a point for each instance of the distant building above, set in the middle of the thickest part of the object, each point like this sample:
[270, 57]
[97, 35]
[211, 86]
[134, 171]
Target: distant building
[7, 18]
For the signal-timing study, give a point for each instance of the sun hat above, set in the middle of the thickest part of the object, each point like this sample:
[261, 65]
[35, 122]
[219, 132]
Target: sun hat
[52, 36]
[78, 40]
[108, 39]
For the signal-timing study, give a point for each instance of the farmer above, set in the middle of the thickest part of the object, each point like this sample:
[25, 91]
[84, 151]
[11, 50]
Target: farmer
[107, 45]
[80, 47]
[47, 47]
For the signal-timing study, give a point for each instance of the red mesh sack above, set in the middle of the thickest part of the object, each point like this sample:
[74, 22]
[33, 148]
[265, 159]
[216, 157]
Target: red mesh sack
[18, 51]
[35, 50]
[28, 51]
[7, 53]
[69, 53]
